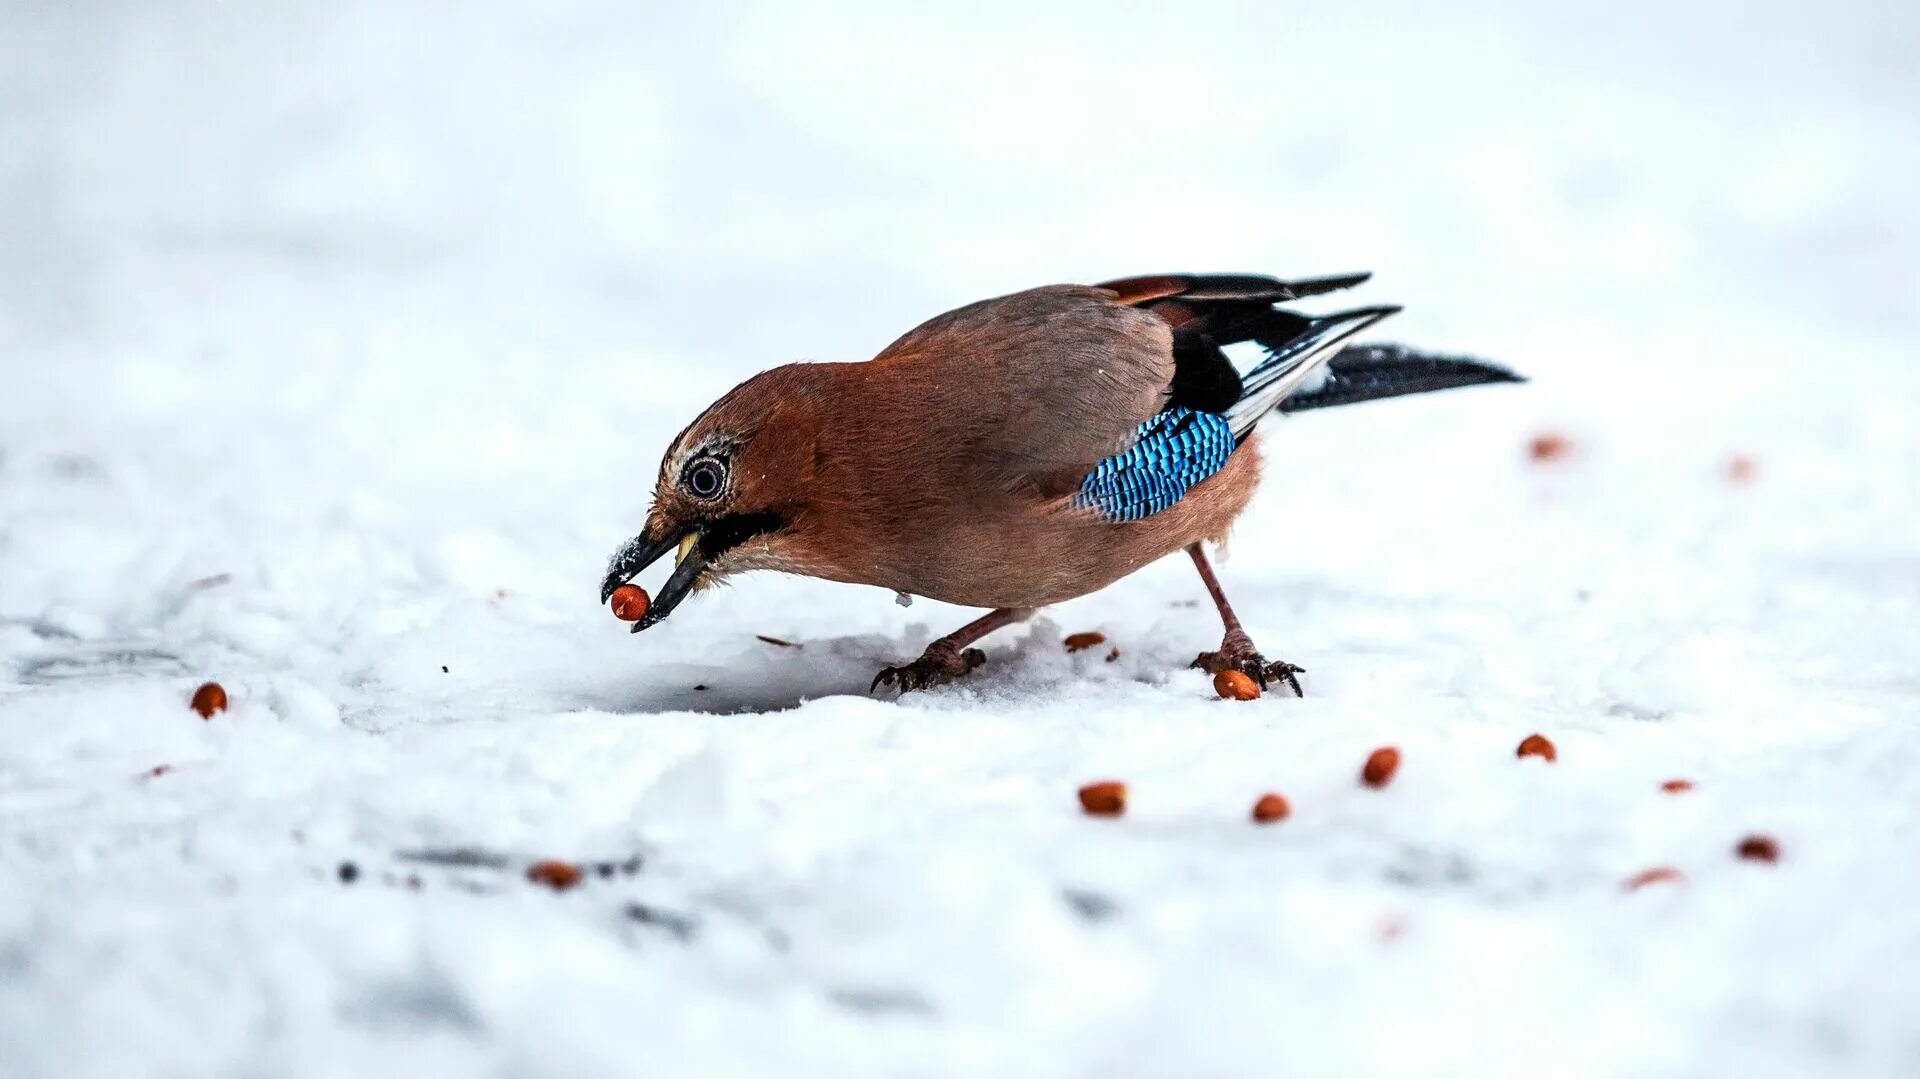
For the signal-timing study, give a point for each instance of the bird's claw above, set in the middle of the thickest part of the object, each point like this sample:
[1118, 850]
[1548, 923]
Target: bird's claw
[932, 668]
[1254, 666]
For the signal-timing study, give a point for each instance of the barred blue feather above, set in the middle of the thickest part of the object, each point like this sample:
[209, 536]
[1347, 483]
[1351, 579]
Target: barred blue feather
[1170, 453]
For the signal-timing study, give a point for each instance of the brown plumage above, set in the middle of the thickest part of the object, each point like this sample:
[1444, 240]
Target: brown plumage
[951, 465]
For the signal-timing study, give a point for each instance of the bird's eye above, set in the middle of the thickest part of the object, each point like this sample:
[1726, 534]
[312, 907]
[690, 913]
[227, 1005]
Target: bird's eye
[706, 477]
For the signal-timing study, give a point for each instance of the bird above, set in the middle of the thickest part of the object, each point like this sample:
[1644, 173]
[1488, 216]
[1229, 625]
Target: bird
[1019, 452]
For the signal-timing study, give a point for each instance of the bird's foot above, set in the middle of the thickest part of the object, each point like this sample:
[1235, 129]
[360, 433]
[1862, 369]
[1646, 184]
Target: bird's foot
[1238, 654]
[936, 665]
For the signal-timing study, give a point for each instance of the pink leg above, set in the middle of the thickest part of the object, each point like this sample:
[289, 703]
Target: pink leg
[1236, 648]
[949, 657]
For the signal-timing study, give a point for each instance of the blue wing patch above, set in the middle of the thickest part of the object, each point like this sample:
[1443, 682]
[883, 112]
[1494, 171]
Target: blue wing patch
[1170, 453]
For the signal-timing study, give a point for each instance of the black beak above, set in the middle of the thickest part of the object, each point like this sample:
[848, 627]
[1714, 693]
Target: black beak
[638, 553]
[685, 576]
[641, 552]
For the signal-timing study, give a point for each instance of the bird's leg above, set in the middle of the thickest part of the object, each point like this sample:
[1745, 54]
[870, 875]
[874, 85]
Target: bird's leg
[949, 657]
[1236, 649]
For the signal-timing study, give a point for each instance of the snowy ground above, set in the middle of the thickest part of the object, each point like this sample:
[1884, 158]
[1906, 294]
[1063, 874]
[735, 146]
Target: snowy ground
[338, 347]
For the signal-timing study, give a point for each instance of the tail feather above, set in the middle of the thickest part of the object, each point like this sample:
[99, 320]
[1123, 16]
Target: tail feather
[1237, 355]
[1374, 372]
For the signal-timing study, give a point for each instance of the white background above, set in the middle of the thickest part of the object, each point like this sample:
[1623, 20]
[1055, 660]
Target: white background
[339, 343]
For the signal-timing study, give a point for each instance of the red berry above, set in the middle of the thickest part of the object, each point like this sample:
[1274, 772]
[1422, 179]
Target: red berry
[1659, 874]
[1104, 799]
[1549, 446]
[1233, 685]
[1270, 808]
[629, 602]
[209, 699]
[1537, 745]
[1080, 642]
[1382, 763]
[554, 874]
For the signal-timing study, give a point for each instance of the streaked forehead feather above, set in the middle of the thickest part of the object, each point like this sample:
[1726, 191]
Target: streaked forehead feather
[725, 424]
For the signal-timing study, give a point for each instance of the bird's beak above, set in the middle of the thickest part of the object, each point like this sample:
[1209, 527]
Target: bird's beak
[686, 574]
[641, 552]
[635, 555]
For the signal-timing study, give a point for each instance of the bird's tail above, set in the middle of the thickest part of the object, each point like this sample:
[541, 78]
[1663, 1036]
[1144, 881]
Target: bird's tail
[1238, 354]
[1292, 359]
[1372, 372]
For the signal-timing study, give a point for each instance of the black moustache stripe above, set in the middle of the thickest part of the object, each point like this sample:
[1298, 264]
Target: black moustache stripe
[722, 534]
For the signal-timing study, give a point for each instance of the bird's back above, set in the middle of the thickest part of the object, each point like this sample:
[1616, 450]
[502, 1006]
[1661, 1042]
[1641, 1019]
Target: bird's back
[1037, 385]
[960, 448]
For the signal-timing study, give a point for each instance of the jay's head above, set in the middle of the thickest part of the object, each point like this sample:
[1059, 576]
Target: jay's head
[731, 491]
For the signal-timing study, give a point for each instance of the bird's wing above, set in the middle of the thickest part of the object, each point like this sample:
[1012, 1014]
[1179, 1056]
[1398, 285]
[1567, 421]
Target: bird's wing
[1235, 355]
[1182, 297]
[1038, 386]
[1124, 394]
[1230, 339]
[1170, 453]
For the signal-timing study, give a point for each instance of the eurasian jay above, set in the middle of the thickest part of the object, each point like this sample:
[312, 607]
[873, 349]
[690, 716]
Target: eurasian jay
[1019, 451]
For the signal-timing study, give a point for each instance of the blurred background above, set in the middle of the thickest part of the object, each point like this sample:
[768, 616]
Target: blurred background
[339, 343]
[754, 183]
[533, 240]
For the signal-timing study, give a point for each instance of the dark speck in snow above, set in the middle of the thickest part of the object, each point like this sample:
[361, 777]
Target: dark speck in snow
[1092, 906]
[679, 926]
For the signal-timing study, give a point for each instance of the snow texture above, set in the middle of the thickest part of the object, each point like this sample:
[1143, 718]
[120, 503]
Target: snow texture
[339, 343]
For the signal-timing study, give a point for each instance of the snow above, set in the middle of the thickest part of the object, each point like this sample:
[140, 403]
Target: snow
[339, 346]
